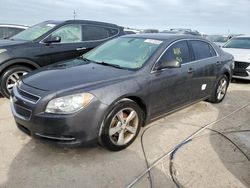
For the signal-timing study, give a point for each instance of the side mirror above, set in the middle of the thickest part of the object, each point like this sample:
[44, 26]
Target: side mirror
[168, 64]
[52, 39]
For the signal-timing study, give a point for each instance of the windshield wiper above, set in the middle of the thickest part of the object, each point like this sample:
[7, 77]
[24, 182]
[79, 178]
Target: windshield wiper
[85, 59]
[109, 64]
[103, 63]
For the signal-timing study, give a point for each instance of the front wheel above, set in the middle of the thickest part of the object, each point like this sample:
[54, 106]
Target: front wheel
[121, 126]
[10, 77]
[220, 90]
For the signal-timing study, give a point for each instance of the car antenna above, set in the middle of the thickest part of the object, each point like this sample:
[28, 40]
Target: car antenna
[74, 14]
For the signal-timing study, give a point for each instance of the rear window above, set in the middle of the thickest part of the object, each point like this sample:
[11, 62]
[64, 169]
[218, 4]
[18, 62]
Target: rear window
[202, 50]
[97, 32]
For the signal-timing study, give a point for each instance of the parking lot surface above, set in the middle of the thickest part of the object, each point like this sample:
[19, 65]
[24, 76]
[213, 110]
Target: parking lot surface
[216, 157]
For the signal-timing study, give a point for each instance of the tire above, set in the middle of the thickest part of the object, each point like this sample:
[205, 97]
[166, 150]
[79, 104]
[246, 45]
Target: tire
[116, 124]
[220, 90]
[10, 77]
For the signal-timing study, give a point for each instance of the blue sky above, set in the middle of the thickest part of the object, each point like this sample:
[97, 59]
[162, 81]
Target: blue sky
[209, 16]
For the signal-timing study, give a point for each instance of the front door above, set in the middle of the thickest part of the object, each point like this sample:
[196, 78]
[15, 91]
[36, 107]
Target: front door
[70, 46]
[171, 87]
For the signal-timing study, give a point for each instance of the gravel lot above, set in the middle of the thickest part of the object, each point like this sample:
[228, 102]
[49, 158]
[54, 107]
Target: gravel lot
[208, 160]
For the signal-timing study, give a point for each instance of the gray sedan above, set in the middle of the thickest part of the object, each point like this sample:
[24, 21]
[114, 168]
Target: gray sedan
[107, 95]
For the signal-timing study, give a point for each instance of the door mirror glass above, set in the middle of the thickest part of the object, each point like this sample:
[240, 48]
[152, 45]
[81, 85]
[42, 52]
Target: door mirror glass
[168, 64]
[52, 39]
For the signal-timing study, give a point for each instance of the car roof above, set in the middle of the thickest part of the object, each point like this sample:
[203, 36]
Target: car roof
[82, 22]
[14, 26]
[164, 36]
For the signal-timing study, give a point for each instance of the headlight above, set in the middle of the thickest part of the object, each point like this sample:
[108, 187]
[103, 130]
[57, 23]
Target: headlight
[233, 65]
[69, 104]
[2, 50]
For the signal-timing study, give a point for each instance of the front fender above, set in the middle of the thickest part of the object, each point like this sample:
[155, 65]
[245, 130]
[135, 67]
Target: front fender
[9, 63]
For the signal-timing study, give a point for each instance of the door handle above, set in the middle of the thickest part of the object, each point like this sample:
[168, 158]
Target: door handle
[190, 70]
[81, 48]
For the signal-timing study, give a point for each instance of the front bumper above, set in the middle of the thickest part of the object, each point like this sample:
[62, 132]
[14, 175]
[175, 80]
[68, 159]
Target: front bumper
[242, 70]
[80, 128]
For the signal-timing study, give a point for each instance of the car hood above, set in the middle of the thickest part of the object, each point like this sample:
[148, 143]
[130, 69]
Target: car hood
[73, 74]
[6, 42]
[239, 54]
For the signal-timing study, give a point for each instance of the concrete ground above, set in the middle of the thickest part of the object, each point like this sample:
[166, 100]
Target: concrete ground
[209, 160]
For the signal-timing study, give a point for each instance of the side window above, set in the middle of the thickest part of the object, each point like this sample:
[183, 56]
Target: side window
[202, 50]
[4, 32]
[212, 51]
[95, 32]
[179, 51]
[13, 31]
[68, 33]
[113, 32]
[1, 32]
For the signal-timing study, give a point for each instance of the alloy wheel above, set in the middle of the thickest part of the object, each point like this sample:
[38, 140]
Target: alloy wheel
[222, 88]
[124, 126]
[13, 78]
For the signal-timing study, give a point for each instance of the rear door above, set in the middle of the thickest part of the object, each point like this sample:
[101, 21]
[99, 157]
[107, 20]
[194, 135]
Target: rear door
[205, 60]
[172, 87]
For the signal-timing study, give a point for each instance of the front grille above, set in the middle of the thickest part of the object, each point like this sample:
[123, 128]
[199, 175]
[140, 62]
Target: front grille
[28, 96]
[240, 72]
[241, 65]
[25, 113]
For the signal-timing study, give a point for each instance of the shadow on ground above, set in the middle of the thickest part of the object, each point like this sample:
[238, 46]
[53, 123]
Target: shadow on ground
[240, 81]
[232, 158]
[42, 165]
[210, 160]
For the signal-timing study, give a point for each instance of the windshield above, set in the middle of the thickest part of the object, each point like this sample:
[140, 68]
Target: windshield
[130, 53]
[217, 38]
[34, 32]
[242, 42]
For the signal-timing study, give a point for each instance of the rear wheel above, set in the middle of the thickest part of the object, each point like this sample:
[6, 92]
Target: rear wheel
[10, 77]
[121, 126]
[220, 90]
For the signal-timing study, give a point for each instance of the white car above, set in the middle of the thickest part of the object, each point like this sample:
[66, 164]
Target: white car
[239, 47]
[9, 30]
[219, 40]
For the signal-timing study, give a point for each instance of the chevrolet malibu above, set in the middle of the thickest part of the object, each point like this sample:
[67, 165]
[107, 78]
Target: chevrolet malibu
[107, 95]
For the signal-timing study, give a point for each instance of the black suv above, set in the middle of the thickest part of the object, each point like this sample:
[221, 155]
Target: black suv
[47, 43]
